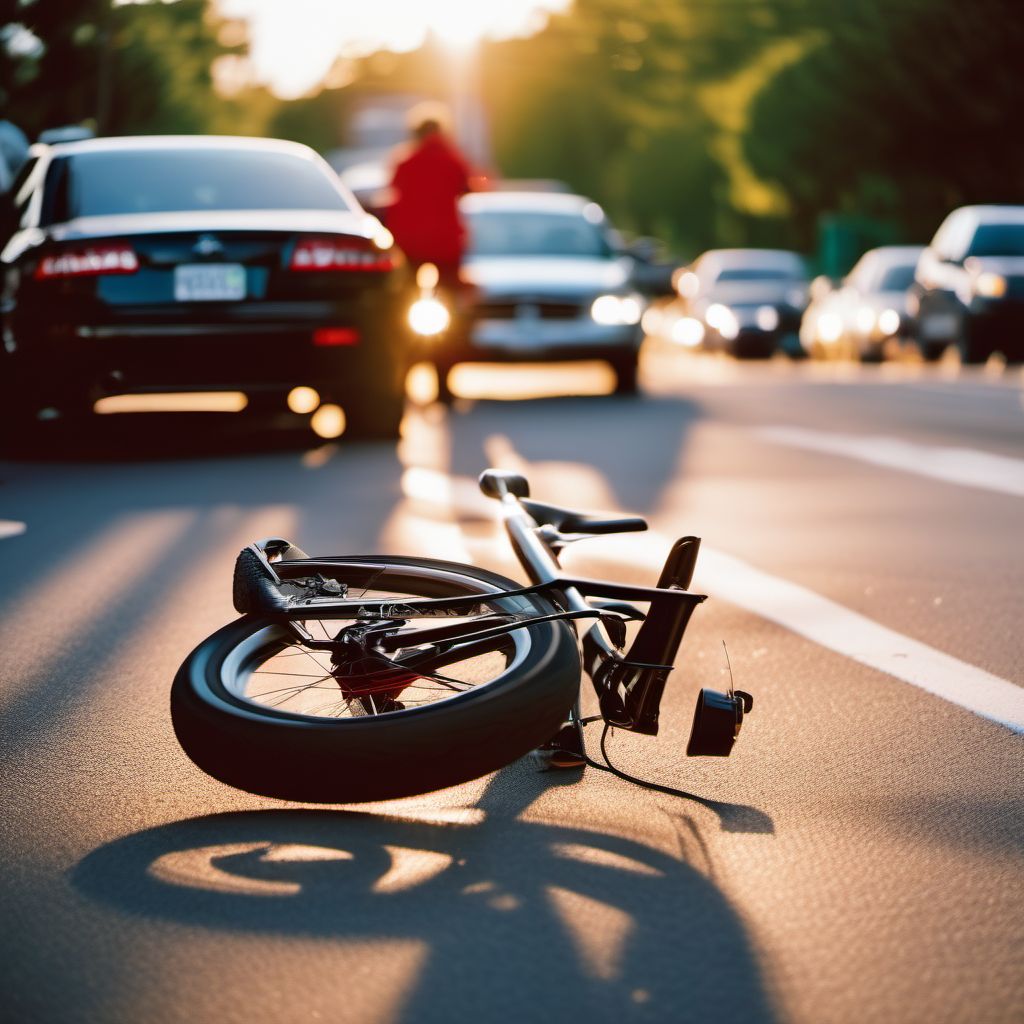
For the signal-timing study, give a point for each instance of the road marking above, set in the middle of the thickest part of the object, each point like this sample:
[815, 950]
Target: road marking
[964, 466]
[814, 617]
[830, 625]
[862, 639]
[11, 528]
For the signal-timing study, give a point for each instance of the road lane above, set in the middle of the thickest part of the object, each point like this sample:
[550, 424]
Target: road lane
[857, 859]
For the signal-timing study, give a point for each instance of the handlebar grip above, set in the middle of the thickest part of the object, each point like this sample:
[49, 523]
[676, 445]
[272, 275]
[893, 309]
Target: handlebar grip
[253, 589]
[580, 523]
[496, 483]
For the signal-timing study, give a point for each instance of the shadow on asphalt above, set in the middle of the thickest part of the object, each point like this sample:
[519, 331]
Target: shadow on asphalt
[514, 913]
[150, 437]
[634, 444]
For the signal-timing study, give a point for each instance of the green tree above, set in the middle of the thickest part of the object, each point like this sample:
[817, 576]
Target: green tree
[905, 109]
[139, 67]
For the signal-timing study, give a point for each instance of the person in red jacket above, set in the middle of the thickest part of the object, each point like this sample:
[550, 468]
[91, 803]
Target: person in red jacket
[424, 218]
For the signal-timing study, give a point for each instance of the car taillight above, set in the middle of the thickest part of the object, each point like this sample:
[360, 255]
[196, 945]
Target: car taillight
[324, 336]
[89, 261]
[326, 254]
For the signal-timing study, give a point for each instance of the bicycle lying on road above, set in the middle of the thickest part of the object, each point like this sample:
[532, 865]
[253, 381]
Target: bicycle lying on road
[351, 679]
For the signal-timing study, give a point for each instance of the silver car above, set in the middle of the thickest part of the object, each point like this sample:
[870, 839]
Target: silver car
[863, 317]
[552, 282]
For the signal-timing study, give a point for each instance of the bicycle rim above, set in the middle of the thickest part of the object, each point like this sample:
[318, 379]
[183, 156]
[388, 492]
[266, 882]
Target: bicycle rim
[273, 672]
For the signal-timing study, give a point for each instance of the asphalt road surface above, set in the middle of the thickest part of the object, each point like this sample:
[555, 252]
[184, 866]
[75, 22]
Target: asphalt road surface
[857, 859]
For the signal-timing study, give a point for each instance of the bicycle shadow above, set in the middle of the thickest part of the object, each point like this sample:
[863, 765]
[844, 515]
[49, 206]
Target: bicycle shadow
[515, 915]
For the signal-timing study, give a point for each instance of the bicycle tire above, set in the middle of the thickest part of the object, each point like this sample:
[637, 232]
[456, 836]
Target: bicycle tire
[292, 756]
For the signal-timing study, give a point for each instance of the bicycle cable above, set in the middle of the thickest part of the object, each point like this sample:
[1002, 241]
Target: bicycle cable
[625, 776]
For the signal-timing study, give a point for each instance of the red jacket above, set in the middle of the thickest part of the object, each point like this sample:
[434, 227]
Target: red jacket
[424, 214]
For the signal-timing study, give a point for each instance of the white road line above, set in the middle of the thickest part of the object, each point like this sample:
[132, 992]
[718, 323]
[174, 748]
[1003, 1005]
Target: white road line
[820, 620]
[832, 626]
[11, 528]
[964, 466]
[862, 639]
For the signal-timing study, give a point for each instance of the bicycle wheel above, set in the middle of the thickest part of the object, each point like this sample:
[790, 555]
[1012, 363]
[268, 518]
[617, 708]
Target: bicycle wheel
[257, 709]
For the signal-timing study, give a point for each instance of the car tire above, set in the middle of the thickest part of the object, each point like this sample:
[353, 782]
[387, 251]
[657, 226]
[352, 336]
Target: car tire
[973, 345]
[374, 417]
[626, 369]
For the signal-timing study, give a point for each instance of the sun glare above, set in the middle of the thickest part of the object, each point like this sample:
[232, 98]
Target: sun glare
[294, 45]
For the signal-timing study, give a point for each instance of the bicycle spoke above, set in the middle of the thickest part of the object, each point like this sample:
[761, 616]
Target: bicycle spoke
[349, 680]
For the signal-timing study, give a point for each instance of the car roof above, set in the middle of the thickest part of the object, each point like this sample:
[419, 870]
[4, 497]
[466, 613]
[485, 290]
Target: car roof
[135, 143]
[992, 213]
[893, 254]
[539, 202]
[734, 257]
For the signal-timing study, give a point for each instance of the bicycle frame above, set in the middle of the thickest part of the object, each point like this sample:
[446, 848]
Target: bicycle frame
[629, 683]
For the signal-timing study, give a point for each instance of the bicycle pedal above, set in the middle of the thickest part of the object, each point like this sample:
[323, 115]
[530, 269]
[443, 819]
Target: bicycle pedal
[563, 750]
[544, 759]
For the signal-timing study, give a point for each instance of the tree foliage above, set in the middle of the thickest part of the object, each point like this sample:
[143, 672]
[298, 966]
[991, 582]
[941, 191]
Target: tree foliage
[138, 67]
[905, 109]
[708, 122]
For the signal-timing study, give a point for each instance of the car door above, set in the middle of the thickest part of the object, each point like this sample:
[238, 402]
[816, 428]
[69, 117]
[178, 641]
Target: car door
[939, 278]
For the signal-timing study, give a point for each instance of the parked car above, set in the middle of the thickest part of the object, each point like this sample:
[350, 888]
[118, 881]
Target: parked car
[552, 283]
[867, 312]
[749, 301]
[969, 286]
[169, 264]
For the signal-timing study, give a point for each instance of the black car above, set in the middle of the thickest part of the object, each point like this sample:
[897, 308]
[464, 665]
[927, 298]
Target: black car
[969, 285]
[167, 264]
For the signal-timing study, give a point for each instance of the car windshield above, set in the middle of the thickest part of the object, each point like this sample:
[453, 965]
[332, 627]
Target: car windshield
[170, 181]
[896, 279]
[528, 233]
[998, 240]
[758, 274]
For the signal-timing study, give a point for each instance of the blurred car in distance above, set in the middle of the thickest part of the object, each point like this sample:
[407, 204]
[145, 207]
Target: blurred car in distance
[969, 286]
[747, 302]
[551, 283]
[867, 311]
[65, 133]
[196, 264]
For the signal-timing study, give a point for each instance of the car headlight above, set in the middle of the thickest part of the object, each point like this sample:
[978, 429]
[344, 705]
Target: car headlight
[616, 310]
[865, 319]
[888, 322]
[767, 318]
[723, 320]
[830, 327]
[428, 317]
[687, 331]
[990, 286]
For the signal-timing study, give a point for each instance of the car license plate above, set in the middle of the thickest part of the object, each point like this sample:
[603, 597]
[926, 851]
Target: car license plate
[209, 282]
[939, 325]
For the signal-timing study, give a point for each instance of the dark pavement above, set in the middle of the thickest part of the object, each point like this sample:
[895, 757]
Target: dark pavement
[857, 859]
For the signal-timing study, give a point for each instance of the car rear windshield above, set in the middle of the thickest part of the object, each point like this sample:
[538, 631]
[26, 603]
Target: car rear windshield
[896, 279]
[998, 240]
[525, 233]
[171, 181]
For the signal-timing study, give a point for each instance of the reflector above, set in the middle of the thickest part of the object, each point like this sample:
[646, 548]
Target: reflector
[716, 722]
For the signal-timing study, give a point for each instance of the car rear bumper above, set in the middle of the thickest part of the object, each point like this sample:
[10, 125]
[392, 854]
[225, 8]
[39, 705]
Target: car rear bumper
[160, 350]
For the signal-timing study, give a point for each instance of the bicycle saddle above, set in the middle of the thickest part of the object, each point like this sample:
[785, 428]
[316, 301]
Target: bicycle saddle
[564, 520]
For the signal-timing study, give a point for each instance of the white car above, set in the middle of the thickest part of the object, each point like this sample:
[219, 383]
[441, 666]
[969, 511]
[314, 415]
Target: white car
[552, 282]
